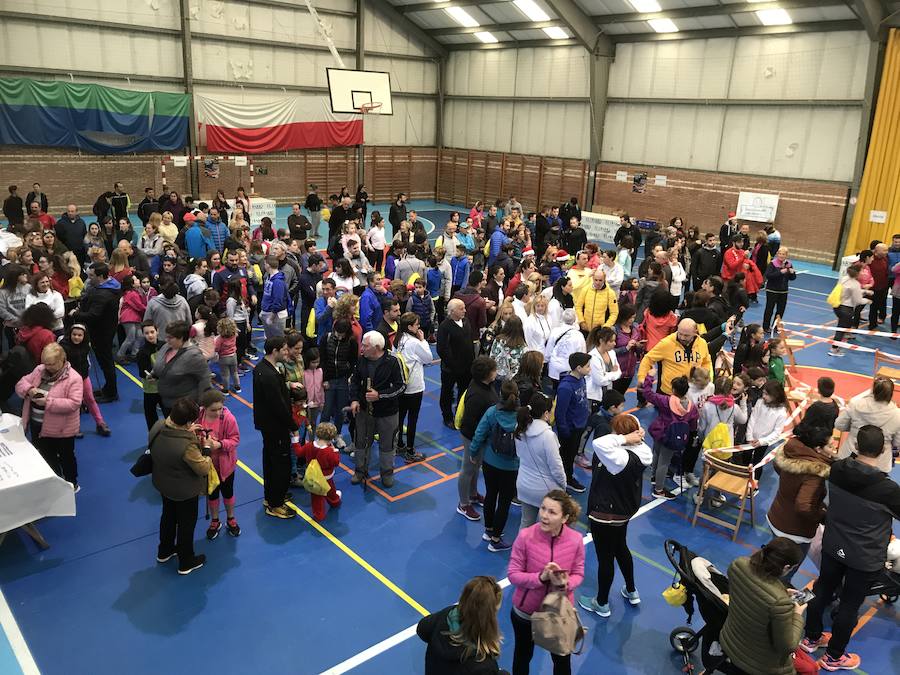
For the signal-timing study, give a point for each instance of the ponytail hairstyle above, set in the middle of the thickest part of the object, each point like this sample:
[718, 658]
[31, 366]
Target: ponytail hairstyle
[509, 396]
[600, 335]
[769, 561]
[722, 385]
[478, 633]
[535, 410]
[570, 508]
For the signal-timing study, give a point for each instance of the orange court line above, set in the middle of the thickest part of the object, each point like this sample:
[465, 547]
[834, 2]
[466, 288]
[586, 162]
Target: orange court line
[421, 488]
[865, 618]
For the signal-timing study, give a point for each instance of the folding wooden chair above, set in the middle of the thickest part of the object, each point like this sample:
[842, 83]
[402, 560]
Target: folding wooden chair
[886, 366]
[790, 343]
[729, 479]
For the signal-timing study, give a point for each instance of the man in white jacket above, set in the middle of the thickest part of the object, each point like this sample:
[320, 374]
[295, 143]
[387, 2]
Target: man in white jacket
[564, 340]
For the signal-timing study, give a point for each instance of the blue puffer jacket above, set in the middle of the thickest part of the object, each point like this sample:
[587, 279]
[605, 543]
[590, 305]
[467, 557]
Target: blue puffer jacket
[506, 419]
[369, 310]
[422, 306]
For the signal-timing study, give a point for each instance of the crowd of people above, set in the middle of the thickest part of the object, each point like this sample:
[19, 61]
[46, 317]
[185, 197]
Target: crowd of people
[539, 335]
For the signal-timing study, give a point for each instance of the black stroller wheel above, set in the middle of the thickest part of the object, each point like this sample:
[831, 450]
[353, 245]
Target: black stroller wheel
[683, 639]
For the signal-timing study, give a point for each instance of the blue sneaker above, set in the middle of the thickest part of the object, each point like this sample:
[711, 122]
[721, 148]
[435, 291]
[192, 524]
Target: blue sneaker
[633, 598]
[590, 604]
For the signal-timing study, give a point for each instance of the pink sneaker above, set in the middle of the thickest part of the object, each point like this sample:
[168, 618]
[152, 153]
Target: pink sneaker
[810, 646]
[583, 461]
[847, 661]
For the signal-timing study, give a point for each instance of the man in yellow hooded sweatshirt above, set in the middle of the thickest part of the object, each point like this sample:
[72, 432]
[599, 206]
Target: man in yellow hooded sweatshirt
[597, 305]
[676, 354]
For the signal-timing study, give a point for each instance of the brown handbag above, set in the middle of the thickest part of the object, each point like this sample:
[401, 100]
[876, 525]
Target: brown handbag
[557, 627]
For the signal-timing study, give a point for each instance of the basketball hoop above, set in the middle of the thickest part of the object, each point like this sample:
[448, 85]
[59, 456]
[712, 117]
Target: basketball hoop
[367, 108]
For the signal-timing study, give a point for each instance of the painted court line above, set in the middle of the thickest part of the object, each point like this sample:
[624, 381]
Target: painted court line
[399, 592]
[400, 637]
[16, 639]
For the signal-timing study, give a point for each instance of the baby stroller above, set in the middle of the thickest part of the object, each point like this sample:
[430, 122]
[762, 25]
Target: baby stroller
[706, 585]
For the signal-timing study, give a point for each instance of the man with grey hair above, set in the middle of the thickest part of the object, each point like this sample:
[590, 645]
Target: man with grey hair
[289, 266]
[454, 347]
[375, 388]
[881, 276]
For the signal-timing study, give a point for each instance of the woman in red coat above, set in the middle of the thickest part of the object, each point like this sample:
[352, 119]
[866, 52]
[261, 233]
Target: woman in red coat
[753, 280]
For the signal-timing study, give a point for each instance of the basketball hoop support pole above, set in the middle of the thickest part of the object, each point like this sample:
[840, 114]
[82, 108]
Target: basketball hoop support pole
[360, 65]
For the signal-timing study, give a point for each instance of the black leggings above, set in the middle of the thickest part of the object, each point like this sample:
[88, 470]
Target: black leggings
[151, 401]
[226, 487]
[774, 301]
[59, 453]
[410, 404]
[524, 649]
[500, 489]
[611, 544]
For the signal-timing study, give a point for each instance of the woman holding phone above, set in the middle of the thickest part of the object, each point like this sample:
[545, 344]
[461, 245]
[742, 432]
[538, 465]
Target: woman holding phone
[548, 556]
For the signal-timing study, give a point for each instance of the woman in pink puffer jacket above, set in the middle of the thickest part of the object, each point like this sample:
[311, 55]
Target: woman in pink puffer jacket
[53, 393]
[547, 556]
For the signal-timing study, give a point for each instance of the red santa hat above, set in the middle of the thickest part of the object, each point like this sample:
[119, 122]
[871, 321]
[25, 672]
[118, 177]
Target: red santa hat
[527, 251]
[562, 255]
[189, 217]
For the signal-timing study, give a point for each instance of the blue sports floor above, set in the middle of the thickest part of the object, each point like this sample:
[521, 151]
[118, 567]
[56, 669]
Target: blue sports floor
[298, 597]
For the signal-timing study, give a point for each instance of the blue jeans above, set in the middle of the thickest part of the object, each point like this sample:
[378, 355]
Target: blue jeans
[337, 397]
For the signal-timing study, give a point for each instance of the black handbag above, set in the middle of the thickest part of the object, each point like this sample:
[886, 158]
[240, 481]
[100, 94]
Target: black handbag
[143, 466]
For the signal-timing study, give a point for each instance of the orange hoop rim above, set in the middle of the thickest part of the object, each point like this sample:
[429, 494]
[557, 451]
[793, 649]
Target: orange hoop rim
[366, 108]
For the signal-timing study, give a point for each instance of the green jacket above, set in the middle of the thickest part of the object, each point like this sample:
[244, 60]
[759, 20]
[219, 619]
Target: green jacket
[776, 369]
[762, 629]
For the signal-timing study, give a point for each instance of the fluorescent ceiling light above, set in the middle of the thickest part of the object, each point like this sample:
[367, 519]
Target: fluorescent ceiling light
[774, 17]
[556, 33]
[645, 5]
[530, 9]
[663, 25]
[462, 17]
[486, 37]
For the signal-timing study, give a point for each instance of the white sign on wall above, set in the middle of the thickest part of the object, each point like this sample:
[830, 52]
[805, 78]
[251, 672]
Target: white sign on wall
[180, 160]
[758, 207]
[622, 176]
[260, 208]
[240, 161]
[600, 227]
[878, 217]
[662, 181]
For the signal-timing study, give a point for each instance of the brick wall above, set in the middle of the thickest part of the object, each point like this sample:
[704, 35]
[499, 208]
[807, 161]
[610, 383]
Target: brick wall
[68, 175]
[809, 214]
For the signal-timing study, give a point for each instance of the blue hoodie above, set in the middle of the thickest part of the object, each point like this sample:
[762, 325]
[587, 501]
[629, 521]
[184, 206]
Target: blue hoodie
[275, 294]
[433, 282]
[572, 406]
[369, 310]
[460, 267]
[197, 243]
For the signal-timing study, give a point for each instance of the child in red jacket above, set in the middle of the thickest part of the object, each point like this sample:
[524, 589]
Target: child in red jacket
[323, 451]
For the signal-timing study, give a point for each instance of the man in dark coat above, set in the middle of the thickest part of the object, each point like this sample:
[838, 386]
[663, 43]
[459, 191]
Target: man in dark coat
[99, 311]
[454, 347]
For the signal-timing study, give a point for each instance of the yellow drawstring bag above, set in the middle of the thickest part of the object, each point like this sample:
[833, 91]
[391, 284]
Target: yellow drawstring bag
[834, 298]
[212, 480]
[314, 480]
[718, 437]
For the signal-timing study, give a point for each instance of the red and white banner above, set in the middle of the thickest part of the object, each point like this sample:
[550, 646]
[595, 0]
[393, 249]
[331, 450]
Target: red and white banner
[280, 124]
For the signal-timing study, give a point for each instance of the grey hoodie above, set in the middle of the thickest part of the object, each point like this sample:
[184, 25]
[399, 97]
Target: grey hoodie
[12, 303]
[186, 375]
[540, 466]
[162, 311]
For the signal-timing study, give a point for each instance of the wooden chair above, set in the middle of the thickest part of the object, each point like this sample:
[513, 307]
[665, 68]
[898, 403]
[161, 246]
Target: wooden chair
[729, 479]
[886, 366]
[790, 343]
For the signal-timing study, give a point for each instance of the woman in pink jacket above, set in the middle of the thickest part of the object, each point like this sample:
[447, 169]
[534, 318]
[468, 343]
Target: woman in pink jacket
[52, 393]
[131, 314]
[221, 435]
[547, 556]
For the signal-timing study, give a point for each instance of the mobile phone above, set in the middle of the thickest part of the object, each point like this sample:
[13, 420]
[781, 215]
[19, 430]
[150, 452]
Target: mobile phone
[802, 597]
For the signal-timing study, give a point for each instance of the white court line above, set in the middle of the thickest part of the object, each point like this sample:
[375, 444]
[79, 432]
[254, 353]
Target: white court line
[16, 639]
[406, 633]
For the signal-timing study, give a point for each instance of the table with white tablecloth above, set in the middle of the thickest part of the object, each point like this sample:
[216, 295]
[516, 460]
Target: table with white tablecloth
[29, 489]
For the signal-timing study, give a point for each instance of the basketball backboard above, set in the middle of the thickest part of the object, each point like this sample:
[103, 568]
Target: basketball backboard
[349, 90]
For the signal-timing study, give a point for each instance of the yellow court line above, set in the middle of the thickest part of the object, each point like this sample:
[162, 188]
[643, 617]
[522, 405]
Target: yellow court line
[355, 557]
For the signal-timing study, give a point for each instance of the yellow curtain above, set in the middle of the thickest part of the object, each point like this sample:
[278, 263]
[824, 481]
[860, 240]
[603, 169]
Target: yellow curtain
[880, 188]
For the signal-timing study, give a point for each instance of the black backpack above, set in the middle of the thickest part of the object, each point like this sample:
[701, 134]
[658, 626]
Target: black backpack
[503, 442]
[676, 436]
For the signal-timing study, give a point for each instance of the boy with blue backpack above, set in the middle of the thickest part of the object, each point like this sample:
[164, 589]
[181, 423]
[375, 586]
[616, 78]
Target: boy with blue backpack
[671, 430]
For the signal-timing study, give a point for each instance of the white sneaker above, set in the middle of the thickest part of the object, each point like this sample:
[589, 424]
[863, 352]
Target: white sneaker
[831, 352]
[691, 479]
[339, 493]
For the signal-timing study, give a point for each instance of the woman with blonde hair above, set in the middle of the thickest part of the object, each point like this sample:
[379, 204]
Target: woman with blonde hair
[76, 283]
[118, 265]
[537, 325]
[505, 312]
[465, 638]
[165, 225]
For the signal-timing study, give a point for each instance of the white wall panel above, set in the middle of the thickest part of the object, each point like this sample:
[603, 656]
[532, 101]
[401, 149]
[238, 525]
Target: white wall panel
[413, 123]
[165, 14]
[82, 48]
[679, 69]
[407, 75]
[550, 129]
[384, 37]
[668, 135]
[815, 143]
[804, 66]
[562, 71]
